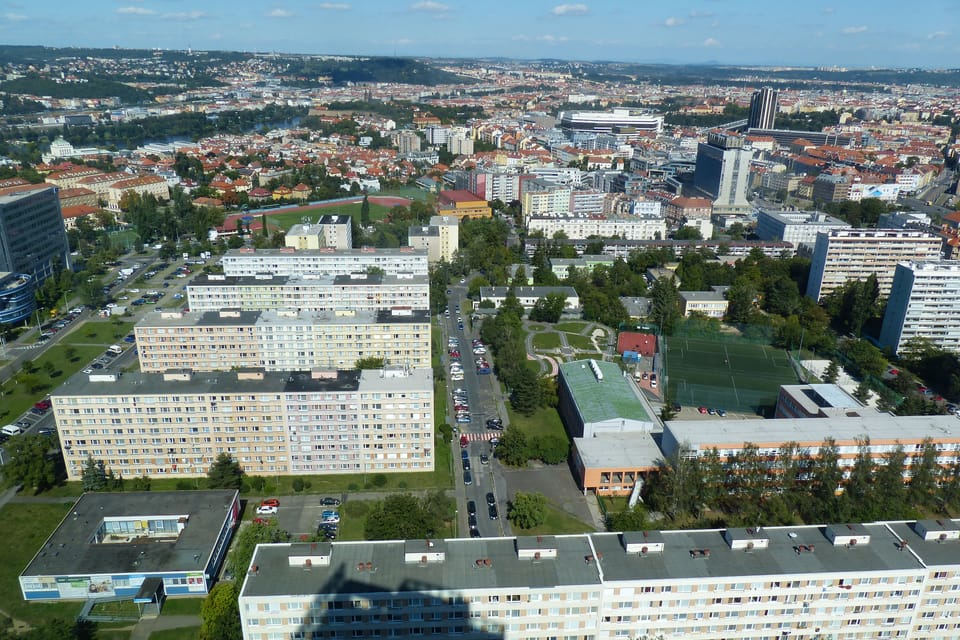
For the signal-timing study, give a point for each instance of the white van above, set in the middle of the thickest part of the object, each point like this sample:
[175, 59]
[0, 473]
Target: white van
[12, 430]
[115, 349]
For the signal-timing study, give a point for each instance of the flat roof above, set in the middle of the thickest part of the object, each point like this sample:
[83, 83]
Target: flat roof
[207, 382]
[390, 573]
[635, 450]
[332, 255]
[69, 551]
[526, 292]
[702, 296]
[216, 280]
[276, 317]
[880, 427]
[590, 559]
[602, 400]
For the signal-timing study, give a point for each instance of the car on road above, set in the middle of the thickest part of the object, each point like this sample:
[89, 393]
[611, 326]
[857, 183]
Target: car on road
[464, 441]
[88, 370]
[464, 454]
[475, 533]
[467, 478]
[460, 326]
[711, 411]
[492, 512]
[463, 419]
[466, 464]
[472, 520]
[471, 508]
[330, 502]
[722, 413]
[130, 339]
[484, 458]
[677, 406]
[267, 510]
[270, 502]
[494, 441]
[331, 518]
[491, 499]
[702, 410]
[495, 423]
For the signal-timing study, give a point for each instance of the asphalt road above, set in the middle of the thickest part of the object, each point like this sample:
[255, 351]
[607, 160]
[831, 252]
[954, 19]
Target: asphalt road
[483, 397]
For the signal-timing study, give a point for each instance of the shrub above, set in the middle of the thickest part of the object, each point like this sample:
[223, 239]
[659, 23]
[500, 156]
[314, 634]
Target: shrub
[298, 484]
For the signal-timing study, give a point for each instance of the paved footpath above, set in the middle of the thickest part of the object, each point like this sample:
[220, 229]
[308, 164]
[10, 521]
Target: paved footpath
[143, 629]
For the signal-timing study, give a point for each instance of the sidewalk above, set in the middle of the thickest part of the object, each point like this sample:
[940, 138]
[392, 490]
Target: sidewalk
[146, 626]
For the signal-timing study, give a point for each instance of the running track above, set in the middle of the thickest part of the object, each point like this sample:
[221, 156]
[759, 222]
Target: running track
[230, 223]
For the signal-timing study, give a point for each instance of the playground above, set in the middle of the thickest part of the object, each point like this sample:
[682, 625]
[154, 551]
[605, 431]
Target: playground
[726, 374]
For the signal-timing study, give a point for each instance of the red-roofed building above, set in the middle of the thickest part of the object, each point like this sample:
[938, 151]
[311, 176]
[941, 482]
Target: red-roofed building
[73, 213]
[643, 343]
[300, 192]
[155, 185]
[74, 196]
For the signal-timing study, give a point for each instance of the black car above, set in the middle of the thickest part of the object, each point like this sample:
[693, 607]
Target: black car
[491, 499]
[330, 502]
[464, 454]
[467, 478]
[484, 458]
[475, 533]
[472, 521]
[471, 508]
[466, 464]
[493, 512]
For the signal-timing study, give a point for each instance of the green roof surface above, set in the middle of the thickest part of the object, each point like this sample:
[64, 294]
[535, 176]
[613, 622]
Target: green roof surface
[607, 399]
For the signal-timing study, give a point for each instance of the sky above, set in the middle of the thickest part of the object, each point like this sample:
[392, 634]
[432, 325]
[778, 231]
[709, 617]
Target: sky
[857, 33]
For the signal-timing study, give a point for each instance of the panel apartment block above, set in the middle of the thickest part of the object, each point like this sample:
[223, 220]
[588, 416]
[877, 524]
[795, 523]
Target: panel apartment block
[924, 302]
[273, 423]
[281, 340]
[854, 254]
[849, 581]
[327, 262]
[357, 292]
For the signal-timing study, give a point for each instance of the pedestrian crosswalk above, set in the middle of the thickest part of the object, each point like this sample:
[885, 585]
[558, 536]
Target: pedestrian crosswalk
[479, 437]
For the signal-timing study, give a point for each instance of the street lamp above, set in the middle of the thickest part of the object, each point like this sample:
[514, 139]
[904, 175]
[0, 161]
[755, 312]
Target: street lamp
[65, 303]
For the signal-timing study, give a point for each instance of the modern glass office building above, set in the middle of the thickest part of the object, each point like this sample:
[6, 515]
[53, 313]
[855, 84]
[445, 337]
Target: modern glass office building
[17, 301]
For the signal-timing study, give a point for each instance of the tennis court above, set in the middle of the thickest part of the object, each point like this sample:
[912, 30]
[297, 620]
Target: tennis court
[726, 374]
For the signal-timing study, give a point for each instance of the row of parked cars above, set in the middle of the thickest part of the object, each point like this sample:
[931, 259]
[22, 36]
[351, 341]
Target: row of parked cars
[51, 328]
[329, 524]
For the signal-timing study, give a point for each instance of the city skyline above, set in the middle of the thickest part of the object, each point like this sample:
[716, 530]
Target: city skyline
[704, 31]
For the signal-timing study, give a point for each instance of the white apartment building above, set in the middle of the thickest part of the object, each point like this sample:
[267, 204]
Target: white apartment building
[579, 228]
[843, 581]
[853, 254]
[326, 262]
[924, 302]
[566, 176]
[542, 199]
[528, 296]
[357, 292]
[440, 239]
[884, 431]
[333, 232]
[799, 228]
[272, 423]
[281, 340]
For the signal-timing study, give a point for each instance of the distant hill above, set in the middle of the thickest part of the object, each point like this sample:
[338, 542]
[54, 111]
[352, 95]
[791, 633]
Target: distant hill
[313, 71]
[93, 88]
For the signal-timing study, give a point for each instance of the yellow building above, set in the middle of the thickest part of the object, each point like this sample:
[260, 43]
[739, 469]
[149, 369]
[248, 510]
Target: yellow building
[463, 204]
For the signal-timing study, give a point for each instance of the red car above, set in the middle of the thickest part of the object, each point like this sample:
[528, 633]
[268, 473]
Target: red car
[270, 502]
[464, 441]
[702, 409]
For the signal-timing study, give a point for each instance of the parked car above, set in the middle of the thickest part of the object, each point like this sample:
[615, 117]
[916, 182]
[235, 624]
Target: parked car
[492, 511]
[484, 458]
[267, 510]
[491, 499]
[330, 502]
[271, 502]
[467, 478]
[466, 464]
[471, 508]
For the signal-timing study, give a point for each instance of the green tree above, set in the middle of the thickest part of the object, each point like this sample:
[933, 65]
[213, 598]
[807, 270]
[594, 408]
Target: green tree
[665, 304]
[30, 464]
[365, 212]
[548, 308]
[513, 448]
[550, 449]
[740, 299]
[825, 479]
[525, 394]
[220, 613]
[832, 372]
[140, 483]
[634, 519]
[94, 475]
[371, 362]
[225, 473]
[403, 516]
[926, 470]
[527, 510]
[862, 392]
[247, 539]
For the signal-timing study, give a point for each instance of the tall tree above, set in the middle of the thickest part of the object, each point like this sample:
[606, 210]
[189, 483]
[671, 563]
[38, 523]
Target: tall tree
[220, 613]
[29, 463]
[225, 473]
[665, 304]
[365, 212]
[94, 475]
[527, 510]
[926, 470]
[825, 480]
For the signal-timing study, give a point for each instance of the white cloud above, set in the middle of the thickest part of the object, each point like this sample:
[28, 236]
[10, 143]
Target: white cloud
[550, 38]
[14, 17]
[335, 6]
[403, 41]
[851, 30]
[711, 42]
[184, 15]
[280, 13]
[137, 11]
[672, 22]
[429, 5]
[937, 35]
[570, 10]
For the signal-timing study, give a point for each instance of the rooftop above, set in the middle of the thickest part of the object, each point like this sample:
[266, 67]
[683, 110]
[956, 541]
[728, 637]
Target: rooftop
[635, 450]
[600, 399]
[70, 550]
[359, 280]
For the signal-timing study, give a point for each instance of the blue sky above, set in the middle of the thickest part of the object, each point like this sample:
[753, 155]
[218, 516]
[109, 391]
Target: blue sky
[810, 32]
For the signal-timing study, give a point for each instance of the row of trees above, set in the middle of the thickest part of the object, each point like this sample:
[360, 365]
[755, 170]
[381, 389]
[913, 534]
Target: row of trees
[795, 483]
[515, 448]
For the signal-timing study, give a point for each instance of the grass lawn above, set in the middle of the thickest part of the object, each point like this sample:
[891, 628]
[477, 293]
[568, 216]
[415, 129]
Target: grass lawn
[183, 633]
[546, 341]
[572, 327]
[287, 220]
[115, 634]
[25, 527]
[536, 327]
[544, 422]
[182, 606]
[125, 608]
[98, 332]
[411, 193]
[583, 343]
[557, 522]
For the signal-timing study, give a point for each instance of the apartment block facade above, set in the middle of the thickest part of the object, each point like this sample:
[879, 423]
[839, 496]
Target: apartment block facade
[641, 227]
[281, 340]
[357, 292]
[288, 261]
[334, 232]
[854, 254]
[799, 228]
[843, 581]
[924, 302]
[175, 424]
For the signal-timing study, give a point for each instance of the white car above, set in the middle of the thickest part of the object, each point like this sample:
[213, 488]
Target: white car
[267, 510]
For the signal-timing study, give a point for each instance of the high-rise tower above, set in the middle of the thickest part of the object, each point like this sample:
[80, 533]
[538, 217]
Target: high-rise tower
[763, 109]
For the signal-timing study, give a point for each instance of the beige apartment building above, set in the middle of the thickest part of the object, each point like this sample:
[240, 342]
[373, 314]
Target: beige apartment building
[440, 239]
[841, 581]
[357, 292]
[334, 232]
[854, 254]
[175, 424]
[281, 340]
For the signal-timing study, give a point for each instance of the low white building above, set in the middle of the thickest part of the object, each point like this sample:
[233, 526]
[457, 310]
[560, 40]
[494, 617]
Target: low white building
[639, 227]
[528, 296]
